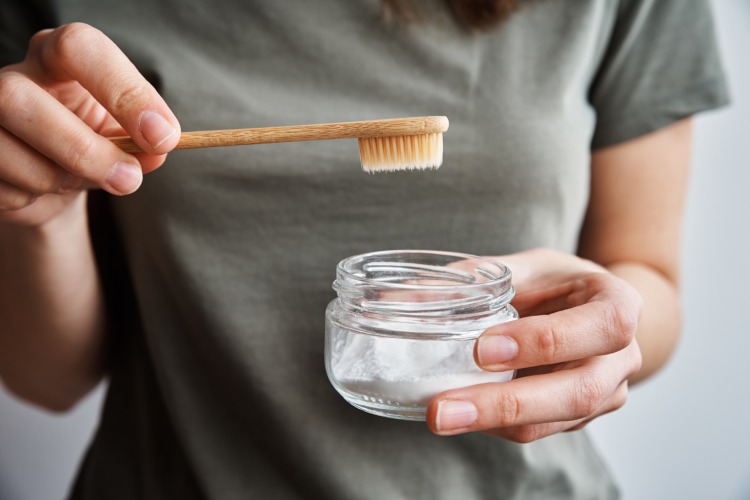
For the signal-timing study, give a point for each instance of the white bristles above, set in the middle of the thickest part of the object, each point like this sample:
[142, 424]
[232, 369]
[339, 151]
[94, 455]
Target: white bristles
[404, 152]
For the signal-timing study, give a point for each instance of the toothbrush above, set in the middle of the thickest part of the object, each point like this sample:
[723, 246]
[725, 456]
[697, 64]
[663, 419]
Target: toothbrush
[384, 145]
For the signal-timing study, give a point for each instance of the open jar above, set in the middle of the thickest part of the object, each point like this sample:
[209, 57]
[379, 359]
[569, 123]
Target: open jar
[404, 324]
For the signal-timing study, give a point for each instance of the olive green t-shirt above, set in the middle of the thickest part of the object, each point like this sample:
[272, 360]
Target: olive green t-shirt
[218, 388]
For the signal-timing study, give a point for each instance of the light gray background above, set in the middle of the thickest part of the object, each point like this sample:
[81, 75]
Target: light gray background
[682, 435]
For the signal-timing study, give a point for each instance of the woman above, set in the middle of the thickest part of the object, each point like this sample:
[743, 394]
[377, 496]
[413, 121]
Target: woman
[201, 292]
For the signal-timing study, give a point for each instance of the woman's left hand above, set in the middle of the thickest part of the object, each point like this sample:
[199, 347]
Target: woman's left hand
[574, 348]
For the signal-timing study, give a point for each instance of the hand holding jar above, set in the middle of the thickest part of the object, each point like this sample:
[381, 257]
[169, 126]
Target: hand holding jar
[574, 349]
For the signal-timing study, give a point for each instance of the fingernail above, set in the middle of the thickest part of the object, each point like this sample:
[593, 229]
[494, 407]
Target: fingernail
[453, 415]
[155, 128]
[124, 178]
[69, 183]
[496, 349]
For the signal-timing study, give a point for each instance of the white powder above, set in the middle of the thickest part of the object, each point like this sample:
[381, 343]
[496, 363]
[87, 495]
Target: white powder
[402, 371]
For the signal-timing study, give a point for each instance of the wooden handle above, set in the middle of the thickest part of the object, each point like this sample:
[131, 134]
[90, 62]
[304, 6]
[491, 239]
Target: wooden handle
[294, 133]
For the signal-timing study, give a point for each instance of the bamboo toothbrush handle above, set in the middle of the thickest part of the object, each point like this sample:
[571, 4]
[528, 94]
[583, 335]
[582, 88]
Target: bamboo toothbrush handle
[295, 133]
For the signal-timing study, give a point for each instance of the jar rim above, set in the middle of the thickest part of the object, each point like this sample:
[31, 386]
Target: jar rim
[348, 267]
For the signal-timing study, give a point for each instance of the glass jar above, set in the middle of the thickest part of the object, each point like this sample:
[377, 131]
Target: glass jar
[404, 325]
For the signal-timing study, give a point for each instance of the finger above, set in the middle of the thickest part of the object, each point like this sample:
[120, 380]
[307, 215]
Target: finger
[547, 298]
[82, 53]
[604, 322]
[542, 279]
[42, 122]
[617, 401]
[566, 395]
[30, 171]
[13, 198]
[148, 162]
[533, 432]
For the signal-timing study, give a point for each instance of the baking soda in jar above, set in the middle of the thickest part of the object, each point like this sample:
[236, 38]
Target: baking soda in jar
[404, 325]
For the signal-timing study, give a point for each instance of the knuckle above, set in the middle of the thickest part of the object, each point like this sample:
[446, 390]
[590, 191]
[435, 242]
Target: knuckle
[15, 200]
[547, 342]
[578, 427]
[524, 434]
[70, 39]
[589, 395]
[127, 97]
[42, 184]
[622, 322]
[37, 40]
[637, 362]
[508, 409]
[11, 84]
[80, 154]
[39, 36]
[620, 397]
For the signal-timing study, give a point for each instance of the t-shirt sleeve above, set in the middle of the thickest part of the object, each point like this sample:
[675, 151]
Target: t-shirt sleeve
[19, 20]
[661, 65]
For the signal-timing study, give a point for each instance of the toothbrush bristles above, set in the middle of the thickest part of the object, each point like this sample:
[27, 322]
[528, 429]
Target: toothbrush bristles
[406, 152]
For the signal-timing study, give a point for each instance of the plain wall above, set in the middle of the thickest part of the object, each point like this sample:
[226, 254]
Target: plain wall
[682, 434]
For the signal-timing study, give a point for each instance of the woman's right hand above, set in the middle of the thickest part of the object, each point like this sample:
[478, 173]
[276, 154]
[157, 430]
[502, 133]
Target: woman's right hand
[75, 88]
